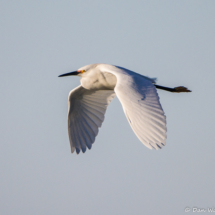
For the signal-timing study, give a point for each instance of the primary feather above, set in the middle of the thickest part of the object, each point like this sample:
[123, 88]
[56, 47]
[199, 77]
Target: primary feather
[86, 114]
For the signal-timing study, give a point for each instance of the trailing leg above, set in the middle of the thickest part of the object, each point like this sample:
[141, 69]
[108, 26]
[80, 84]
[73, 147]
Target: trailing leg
[180, 89]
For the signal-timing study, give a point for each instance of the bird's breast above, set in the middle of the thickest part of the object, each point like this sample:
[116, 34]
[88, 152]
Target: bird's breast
[99, 81]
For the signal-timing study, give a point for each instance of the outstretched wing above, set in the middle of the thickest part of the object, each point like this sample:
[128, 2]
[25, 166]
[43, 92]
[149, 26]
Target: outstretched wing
[86, 114]
[141, 105]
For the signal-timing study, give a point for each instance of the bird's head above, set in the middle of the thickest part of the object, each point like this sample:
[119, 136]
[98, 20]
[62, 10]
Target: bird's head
[80, 72]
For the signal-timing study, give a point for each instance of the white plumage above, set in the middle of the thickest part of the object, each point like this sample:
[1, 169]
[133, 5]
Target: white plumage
[137, 94]
[86, 114]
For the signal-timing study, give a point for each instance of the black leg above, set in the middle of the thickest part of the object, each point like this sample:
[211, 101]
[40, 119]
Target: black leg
[180, 89]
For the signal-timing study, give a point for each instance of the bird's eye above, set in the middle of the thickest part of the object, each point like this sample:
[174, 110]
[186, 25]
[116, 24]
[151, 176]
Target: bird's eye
[81, 71]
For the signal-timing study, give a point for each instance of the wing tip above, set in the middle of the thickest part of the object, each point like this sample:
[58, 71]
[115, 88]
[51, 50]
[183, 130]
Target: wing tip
[156, 146]
[72, 149]
[77, 150]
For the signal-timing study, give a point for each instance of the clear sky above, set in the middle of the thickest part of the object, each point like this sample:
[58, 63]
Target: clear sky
[171, 40]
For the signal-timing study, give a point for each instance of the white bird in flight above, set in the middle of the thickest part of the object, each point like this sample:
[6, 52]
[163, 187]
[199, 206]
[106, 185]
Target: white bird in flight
[100, 83]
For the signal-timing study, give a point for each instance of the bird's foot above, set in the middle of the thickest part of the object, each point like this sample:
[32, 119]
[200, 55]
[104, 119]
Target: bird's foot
[181, 89]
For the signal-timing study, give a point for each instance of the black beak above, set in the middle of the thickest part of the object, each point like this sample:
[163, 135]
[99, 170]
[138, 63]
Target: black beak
[68, 74]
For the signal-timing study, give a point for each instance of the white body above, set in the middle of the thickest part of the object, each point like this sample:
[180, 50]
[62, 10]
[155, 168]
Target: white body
[137, 94]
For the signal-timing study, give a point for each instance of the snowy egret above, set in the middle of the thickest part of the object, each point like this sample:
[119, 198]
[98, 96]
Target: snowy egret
[137, 94]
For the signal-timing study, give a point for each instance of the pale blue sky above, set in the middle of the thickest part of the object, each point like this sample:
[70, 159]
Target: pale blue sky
[171, 40]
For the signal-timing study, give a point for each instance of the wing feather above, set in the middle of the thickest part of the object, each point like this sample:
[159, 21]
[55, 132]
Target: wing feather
[141, 105]
[86, 114]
